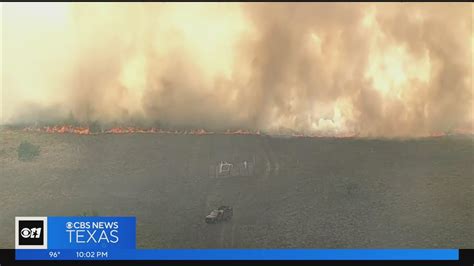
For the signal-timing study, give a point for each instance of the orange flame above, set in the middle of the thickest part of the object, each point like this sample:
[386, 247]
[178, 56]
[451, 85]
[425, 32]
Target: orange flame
[437, 134]
[131, 130]
[62, 129]
[84, 130]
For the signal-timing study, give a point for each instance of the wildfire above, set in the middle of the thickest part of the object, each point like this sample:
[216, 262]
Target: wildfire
[458, 131]
[132, 130]
[316, 135]
[241, 132]
[85, 130]
[61, 129]
[437, 134]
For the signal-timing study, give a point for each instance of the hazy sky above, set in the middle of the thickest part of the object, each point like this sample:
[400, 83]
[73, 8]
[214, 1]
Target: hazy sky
[375, 69]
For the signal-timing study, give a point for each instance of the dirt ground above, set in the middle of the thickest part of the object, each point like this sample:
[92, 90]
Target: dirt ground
[305, 192]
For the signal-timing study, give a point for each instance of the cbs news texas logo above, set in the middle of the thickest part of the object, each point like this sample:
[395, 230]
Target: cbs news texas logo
[75, 232]
[31, 233]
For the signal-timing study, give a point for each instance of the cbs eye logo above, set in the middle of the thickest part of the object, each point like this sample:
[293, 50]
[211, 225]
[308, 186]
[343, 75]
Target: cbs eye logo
[69, 225]
[30, 233]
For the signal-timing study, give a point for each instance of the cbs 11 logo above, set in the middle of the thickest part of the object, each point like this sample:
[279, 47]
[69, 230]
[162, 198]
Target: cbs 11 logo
[31, 233]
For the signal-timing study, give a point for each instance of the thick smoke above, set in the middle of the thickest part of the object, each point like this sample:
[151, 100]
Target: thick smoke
[382, 69]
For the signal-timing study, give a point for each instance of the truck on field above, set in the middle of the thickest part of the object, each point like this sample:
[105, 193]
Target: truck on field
[223, 213]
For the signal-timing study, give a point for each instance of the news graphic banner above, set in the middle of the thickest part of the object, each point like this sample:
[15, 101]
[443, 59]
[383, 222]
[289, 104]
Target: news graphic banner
[91, 233]
[61, 237]
[113, 238]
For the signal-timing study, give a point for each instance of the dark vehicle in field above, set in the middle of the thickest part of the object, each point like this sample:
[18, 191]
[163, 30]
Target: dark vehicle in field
[223, 213]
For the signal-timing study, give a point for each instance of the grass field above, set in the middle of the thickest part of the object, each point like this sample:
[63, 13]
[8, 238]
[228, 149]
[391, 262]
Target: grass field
[305, 193]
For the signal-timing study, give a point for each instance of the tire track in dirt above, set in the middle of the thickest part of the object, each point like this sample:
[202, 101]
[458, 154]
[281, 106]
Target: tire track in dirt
[272, 166]
[220, 188]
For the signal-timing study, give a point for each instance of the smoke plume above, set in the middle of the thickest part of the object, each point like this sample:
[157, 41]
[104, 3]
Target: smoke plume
[373, 69]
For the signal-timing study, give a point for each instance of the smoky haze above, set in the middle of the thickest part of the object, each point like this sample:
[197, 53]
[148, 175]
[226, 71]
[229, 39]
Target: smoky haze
[386, 69]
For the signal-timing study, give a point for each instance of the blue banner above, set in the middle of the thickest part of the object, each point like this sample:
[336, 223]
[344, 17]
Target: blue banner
[91, 233]
[241, 254]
